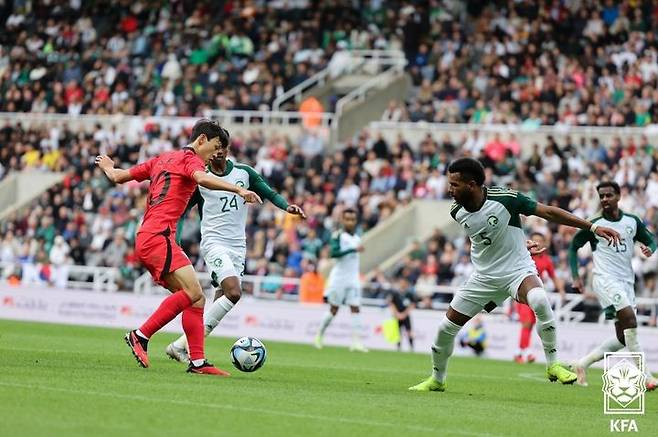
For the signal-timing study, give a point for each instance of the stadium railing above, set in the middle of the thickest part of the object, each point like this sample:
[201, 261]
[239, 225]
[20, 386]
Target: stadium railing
[415, 132]
[132, 127]
[101, 279]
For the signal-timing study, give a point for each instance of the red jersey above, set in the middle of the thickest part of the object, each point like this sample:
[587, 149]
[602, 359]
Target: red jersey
[544, 265]
[172, 185]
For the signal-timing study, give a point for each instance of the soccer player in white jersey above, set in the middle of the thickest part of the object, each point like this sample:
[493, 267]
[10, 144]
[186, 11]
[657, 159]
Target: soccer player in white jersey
[503, 267]
[343, 286]
[613, 277]
[223, 237]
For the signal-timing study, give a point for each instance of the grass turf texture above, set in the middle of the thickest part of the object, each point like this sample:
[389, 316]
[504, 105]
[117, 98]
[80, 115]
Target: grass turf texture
[68, 380]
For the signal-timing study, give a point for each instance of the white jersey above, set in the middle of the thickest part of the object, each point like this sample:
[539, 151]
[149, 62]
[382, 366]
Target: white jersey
[344, 249]
[498, 244]
[612, 261]
[224, 214]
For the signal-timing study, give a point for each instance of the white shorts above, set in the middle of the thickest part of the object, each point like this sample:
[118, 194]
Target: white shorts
[343, 294]
[484, 292]
[224, 262]
[613, 292]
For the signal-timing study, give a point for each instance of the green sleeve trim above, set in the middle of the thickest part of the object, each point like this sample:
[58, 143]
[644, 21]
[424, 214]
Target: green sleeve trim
[454, 209]
[581, 238]
[195, 200]
[258, 185]
[643, 235]
[334, 246]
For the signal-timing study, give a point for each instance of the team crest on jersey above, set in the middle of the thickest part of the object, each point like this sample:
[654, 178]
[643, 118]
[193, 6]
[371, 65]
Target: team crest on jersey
[218, 263]
[629, 230]
[493, 221]
[240, 184]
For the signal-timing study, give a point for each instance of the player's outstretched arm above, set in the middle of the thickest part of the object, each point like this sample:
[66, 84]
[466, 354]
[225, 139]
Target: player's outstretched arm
[581, 238]
[116, 175]
[214, 183]
[260, 187]
[558, 215]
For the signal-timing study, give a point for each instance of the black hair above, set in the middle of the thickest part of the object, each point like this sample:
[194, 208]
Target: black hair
[349, 211]
[469, 169]
[211, 129]
[612, 184]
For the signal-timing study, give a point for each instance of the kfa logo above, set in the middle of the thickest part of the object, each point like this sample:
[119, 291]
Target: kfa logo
[623, 388]
[493, 221]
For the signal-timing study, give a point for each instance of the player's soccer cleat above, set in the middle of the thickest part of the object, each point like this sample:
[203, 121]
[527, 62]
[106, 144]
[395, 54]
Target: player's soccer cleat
[651, 384]
[519, 359]
[206, 369]
[177, 354]
[138, 346]
[557, 372]
[430, 384]
[318, 341]
[358, 347]
[530, 359]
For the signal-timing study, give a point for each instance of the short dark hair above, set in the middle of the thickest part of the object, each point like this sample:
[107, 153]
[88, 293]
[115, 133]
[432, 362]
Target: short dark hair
[469, 168]
[612, 184]
[211, 129]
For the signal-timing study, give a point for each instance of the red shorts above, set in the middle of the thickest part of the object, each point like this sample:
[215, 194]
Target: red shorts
[160, 254]
[526, 315]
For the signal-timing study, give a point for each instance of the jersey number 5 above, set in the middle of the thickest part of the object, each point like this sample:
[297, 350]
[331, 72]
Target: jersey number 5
[485, 240]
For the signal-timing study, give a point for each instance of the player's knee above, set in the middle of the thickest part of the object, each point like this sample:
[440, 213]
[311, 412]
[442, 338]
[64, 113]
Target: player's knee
[333, 310]
[626, 318]
[355, 310]
[195, 293]
[233, 293]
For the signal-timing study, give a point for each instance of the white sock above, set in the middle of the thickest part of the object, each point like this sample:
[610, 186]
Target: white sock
[443, 347]
[141, 334]
[545, 322]
[212, 317]
[325, 323]
[633, 345]
[356, 327]
[198, 362]
[597, 354]
[216, 313]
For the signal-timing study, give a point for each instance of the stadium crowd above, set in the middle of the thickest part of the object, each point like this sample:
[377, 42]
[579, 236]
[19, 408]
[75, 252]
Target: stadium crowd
[173, 57]
[86, 221]
[577, 63]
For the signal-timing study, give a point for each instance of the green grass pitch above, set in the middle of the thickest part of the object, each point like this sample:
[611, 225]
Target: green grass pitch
[67, 380]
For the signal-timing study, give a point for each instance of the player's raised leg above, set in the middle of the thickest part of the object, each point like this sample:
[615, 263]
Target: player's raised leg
[532, 292]
[442, 350]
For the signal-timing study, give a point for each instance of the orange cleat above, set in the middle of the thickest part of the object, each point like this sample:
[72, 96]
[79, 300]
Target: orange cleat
[138, 347]
[206, 369]
[519, 359]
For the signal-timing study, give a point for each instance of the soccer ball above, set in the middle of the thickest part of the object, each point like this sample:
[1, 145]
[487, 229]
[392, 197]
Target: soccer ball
[248, 354]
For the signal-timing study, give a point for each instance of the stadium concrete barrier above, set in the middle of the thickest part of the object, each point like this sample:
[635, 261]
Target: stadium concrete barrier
[293, 322]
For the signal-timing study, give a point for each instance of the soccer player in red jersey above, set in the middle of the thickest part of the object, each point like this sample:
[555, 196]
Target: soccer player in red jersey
[174, 176]
[537, 247]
